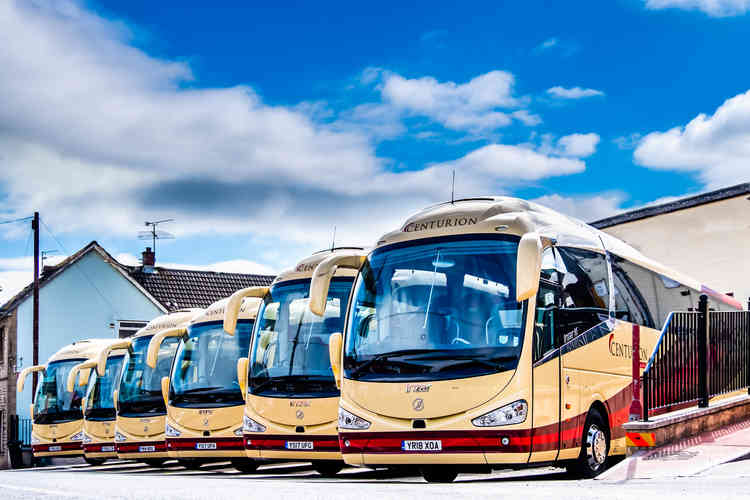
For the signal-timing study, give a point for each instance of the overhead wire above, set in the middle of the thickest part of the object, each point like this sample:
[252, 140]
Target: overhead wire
[22, 219]
[80, 269]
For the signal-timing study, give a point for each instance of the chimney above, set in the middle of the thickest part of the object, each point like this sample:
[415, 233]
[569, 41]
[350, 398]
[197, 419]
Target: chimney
[148, 259]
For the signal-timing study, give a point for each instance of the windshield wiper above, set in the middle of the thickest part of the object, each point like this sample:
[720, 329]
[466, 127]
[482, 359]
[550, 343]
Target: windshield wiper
[387, 356]
[200, 389]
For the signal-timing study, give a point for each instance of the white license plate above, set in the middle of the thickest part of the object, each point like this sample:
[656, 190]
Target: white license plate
[108, 448]
[205, 446]
[299, 445]
[146, 448]
[55, 448]
[422, 445]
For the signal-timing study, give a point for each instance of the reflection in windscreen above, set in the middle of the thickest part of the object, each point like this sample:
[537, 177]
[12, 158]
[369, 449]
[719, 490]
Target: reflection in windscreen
[140, 388]
[290, 350]
[204, 372]
[441, 309]
[53, 403]
[100, 390]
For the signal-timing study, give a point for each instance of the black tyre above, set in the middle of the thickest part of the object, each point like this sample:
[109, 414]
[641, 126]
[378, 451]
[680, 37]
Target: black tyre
[95, 461]
[592, 460]
[438, 473]
[328, 468]
[190, 463]
[246, 466]
[154, 462]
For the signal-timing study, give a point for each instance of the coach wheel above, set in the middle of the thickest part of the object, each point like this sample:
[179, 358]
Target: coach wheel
[94, 461]
[328, 469]
[594, 449]
[439, 473]
[154, 462]
[190, 463]
[247, 465]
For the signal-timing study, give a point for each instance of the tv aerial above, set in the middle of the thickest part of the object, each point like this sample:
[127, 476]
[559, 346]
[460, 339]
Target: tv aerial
[154, 234]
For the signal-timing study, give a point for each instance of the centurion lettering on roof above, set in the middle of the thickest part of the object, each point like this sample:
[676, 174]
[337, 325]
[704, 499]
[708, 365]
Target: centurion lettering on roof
[439, 223]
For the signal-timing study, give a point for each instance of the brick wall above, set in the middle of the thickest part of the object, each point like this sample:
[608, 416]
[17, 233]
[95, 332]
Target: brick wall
[7, 380]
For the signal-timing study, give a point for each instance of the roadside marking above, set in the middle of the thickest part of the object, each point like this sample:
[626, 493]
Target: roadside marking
[42, 491]
[640, 439]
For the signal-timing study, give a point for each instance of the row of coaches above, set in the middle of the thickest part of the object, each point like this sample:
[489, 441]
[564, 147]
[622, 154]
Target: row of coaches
[481, 334]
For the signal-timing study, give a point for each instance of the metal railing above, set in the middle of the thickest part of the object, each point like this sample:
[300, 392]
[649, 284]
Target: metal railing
[699, 355]
[19, 430]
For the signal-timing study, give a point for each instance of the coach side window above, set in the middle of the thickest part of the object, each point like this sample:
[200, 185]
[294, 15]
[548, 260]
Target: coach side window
[629, 303]
[585, 291]
[547, 310]
[659, 295]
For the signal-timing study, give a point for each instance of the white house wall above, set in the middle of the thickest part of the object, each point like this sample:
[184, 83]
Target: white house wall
[709, 242]
[79, 303]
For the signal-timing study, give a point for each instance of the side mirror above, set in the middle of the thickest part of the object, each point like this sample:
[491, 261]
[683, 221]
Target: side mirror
[84, 402]
[165, 390]
[152, 356]
[242, 376]
[115, 398]
[24, 373]
[323, 275]
[83, 376]
[232, 309]
[528, 266]
[101, 360]
[335, 344]
[31, 411]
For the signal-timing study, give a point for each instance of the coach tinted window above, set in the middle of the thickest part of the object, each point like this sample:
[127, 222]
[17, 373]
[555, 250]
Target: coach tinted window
[585, 291]
[659, 294]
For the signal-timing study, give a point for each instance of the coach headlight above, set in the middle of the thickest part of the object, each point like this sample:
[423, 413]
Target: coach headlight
[119, 438]
[349, 420]
[250, 425]
[170, 431]
[78, 436]
[514, 413]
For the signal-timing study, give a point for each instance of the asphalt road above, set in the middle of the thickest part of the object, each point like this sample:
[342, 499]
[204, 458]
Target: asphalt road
[298, 481]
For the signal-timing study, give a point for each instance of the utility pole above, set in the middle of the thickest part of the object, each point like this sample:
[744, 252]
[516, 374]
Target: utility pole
[35, 228]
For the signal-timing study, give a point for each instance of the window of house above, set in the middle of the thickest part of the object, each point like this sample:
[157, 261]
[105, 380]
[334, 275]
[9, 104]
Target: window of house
[128, 328]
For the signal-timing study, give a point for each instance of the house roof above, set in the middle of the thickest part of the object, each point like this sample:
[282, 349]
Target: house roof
[182, 288]
[169, 289]
[673, 206]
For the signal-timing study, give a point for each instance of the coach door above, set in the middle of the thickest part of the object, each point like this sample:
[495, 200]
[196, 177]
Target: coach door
[545, 410]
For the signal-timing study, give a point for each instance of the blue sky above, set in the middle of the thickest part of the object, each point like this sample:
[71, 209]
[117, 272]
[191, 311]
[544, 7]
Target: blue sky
[261, 127]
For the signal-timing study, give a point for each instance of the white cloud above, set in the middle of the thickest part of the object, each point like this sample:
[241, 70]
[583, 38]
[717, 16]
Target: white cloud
[628, 141]
[527, 118]
[98, 136]
[512, 162]
[573, 92]
[715, 8]
[578, 145]
[715, 147]
[585, 208]
[12, 282]
[548, 43]
[479, 105]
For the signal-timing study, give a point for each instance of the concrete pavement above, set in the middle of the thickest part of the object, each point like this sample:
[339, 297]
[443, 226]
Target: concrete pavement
[689, 457]
[125, 480]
